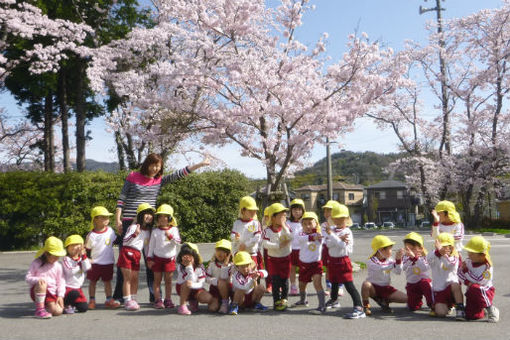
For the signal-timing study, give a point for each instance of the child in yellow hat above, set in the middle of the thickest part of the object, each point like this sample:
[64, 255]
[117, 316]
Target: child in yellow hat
[377, 285]
[444, 264]
[447, 220]
[477, 274]
[99, 242]
[75, 265]
[265, 223]
[218, 273]
[297, 209]
[162, 252]
[325, 226]
[46, 279]
[413, 261]
[247, 230]
[247, 291]
[190, 281]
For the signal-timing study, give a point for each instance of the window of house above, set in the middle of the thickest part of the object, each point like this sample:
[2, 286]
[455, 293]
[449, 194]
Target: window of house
[351, 196]
[305, 197]
[336, 196]
[380, 195]
[400, 194]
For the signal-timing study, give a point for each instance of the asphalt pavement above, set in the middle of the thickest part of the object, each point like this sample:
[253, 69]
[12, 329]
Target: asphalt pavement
[18, 322]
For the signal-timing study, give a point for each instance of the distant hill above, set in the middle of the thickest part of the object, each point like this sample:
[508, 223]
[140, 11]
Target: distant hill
[92, 165]
[352, 167]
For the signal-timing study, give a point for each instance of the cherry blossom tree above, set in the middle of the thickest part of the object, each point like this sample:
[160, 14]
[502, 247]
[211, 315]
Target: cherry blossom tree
[234, 71]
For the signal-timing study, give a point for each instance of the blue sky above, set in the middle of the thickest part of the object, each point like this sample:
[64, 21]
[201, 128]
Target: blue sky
[390, 21]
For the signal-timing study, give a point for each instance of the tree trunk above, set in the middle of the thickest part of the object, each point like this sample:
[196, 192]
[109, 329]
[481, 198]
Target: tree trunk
[49, 149]
[120, 151]
[80, 119]
[64, 116]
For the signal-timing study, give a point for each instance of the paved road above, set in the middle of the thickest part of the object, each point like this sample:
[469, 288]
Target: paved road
[17, 321]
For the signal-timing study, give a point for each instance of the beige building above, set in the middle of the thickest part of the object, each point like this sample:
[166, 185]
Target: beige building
[315, 196]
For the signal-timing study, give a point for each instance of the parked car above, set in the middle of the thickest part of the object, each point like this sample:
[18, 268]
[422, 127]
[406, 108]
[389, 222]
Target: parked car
[355, 226]
[370, 225]
[388, 225]
[425, 224]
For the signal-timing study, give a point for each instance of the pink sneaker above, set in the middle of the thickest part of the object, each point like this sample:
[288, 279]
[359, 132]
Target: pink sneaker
[159, 304]
[168, 303]
[131, 305]
[294, 291]
[183, 310]
[193, 306]
[223, 308]
[42, 313]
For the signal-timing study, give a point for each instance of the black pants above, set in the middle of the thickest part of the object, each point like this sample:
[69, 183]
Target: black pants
[351, 289]
[70, 299]
[280, 288]
[118, 294]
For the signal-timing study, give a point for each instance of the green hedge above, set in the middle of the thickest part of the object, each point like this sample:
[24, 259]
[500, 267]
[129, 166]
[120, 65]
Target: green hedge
[35, 205]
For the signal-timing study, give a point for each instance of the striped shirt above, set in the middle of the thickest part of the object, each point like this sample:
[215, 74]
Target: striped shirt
[139, 189]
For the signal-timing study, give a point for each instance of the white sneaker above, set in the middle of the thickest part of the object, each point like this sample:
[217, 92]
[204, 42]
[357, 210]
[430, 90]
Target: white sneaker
[493, 314]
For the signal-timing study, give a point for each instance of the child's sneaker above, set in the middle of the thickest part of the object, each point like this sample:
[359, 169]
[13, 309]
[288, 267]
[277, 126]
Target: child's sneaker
[318, 311]
[260, 307]
[234, 309]
[42, 313]
[357, 313]
[328, 284]
[92, 304]
[131, 305]
[69, 310]
[168, 303]
[112, 304]
[460, 315]
[281, 305]
[294, 291]
[223, 308]
[193, 306]
[366, 309]
[301, 303]
[159, 304]
[332, 304]
[183, 310]
[385, 306]
[492, 314]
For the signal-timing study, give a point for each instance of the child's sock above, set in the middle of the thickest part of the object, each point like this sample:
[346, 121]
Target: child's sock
[92, 297]
[302, 296]
[39, 300]
[459, 306]
[322, 298]
[108, 298]
[127, 298]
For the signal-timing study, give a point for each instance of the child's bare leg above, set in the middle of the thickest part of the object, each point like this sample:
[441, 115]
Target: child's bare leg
[206, 297]
[157, 285]
[367, 291]
[317, 282]
[92, 289]
[168, 285]
[184, 294]
[457, 293]
[54, 308]
[108, 288]
[126, 284]
[134, 282]
[441, 309]
[292, 276]
[258, 293]
[239, 297]
[223, 288]
[398, 297]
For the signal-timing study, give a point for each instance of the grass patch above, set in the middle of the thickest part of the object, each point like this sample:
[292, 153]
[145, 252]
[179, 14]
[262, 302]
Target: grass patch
[493, 230]
[362, 265]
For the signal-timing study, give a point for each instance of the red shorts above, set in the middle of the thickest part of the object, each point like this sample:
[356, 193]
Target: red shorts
[248, 300]
[81, 297]
[279, 266]
[307, 270]
[294, 257]
[162, 264]
[49, 297]
[260, 261]
[416, 292]
[444, 296]
[384, 292]
[100, 271]
[477, 299]
[325, 256]
[193, 294]
[129, 258]
[339, 269]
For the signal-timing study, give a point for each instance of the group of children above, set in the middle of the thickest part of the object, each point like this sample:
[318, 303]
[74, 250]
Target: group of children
[276, 250]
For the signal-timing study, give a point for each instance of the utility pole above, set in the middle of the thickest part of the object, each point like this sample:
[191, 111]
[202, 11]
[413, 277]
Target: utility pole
[329, 170]
[445, 140]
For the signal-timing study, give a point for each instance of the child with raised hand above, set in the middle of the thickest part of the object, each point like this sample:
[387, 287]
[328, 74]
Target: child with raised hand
[276, 240]
[161, 255]
[447, 220]
[99, 243]
[377, 285]
[340, 243]
[310, 264]
[130, 253]
[75, 265]
[477, 274]
[417, 269]
[247, 291]
[444, 263]
[247, 231]
[46, 279]
[297, 209]
[218, 273]
[190, 281]
[325, 226]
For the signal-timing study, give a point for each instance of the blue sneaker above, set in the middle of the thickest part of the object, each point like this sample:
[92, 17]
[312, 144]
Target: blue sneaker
[357, 313]
[260, 307]
[328, 284]
[234, 309]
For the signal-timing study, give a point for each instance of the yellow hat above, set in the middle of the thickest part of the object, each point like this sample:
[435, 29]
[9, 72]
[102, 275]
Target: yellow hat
[73, 239]
[478, 244]
[165, 209]
[98, 211]
[341, 211]
[414, 237]
[195, 249]
[242, 258]
[224, 244]
[379, 242]
[276, 208]
[266, 212]
[446, 239]
[297, 201]
[248, 202]
[450, 208]
[144, 206]
[52, 245]
[330, 204]
[311, 215]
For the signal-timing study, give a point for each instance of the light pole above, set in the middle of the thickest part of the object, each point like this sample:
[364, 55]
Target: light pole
[329, 170]
[445, 140]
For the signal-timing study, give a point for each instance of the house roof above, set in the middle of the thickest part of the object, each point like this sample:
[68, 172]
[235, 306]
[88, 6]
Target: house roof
[336, 186]
[388, 184]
